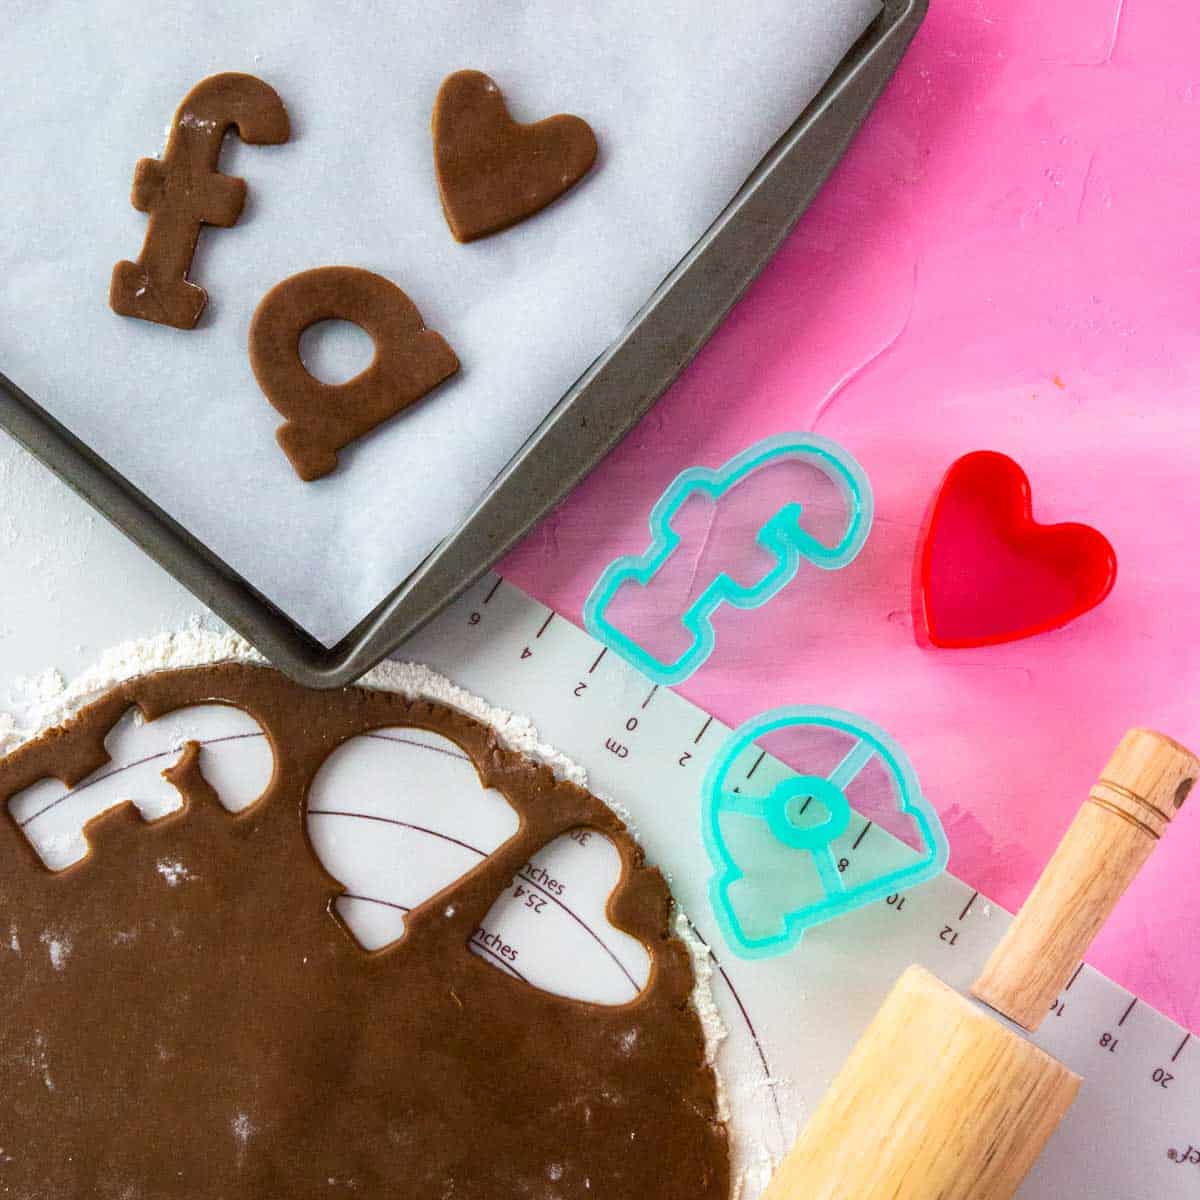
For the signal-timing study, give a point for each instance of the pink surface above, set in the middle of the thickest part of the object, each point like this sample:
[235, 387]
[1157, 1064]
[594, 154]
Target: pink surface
[1008, 258]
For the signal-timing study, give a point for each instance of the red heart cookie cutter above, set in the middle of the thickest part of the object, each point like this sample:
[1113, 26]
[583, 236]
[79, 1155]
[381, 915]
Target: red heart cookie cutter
[987, 572]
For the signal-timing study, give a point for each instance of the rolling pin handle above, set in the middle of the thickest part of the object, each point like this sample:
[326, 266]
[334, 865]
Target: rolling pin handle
[1128, 810]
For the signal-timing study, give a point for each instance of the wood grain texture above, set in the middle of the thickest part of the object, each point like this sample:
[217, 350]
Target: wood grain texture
[937, 1100]
[1141, 789]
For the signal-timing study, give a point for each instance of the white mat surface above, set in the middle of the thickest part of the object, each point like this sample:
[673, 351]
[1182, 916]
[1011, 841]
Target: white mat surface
[791, 1020]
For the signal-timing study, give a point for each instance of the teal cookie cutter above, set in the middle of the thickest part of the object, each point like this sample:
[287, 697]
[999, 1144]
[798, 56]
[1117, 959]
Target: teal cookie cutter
[778, 809]
[781, 535]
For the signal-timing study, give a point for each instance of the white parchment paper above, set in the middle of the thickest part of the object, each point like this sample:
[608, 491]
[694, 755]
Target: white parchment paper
[685, 97]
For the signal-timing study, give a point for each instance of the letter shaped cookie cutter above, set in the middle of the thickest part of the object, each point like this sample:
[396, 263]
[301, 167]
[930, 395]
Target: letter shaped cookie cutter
[781, 535]
[783, 806]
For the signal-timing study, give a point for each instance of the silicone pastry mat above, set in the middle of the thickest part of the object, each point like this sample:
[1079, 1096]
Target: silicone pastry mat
[792, 1019]
[685, 100]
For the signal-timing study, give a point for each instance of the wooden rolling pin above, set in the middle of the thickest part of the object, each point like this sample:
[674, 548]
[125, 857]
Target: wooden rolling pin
[941, 1100]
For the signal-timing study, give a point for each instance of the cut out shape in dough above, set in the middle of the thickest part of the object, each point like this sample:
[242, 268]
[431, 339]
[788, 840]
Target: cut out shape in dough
[431, 823]
[551, 928]
[195, 968]
[493, 171]
[238, 763]
[184, 190]
[409, 361]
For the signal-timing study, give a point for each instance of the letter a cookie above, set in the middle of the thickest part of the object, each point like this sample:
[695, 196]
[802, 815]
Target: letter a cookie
[321, 418]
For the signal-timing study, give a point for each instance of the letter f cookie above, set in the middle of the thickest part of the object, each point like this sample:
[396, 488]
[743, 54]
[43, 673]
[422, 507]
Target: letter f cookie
[184, 190]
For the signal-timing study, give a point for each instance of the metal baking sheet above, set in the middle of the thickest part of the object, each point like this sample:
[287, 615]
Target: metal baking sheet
[590, 418]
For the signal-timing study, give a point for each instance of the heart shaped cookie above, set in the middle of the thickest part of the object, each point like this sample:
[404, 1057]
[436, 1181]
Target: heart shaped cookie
[987, 572]
[493, 171]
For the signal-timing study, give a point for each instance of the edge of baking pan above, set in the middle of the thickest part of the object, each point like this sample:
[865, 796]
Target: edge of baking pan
[591, 417]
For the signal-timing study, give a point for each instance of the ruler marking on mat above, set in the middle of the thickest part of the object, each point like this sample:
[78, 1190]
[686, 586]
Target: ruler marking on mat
[1142, 1075]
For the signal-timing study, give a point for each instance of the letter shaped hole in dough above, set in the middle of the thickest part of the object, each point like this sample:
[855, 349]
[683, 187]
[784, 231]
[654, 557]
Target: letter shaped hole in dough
[396, 816]
[238, 764]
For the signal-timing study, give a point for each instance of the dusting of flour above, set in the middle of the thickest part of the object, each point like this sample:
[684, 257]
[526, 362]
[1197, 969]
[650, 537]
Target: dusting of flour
[41, 701]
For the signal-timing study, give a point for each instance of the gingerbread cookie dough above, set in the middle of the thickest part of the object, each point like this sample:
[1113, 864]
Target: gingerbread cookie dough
[184, 190]
[228, 1038]
[409, 361]
[493, 172]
